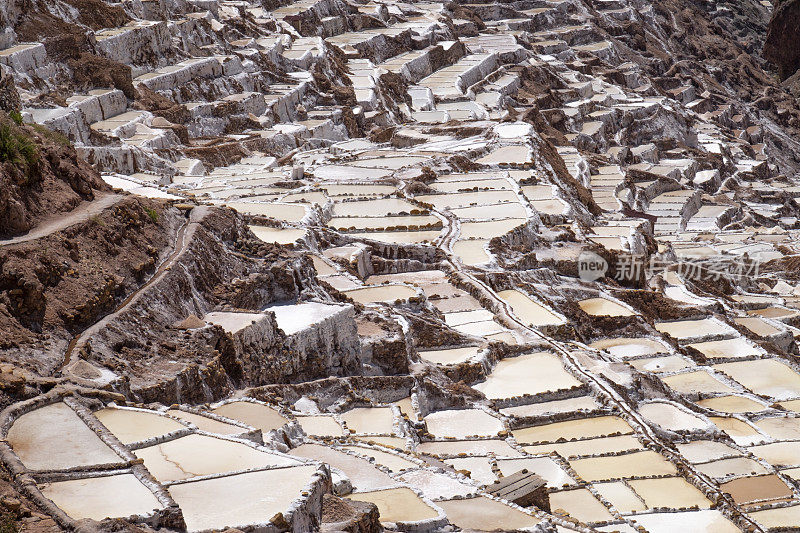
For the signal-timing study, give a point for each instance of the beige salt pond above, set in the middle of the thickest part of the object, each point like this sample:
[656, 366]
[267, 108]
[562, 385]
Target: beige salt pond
[780, 428]
[130, 426]
[450, 356]
[393, 462]
[572, 429]
[620, 496]
[489, 230]
[462, 423]
[674, 492]
[732, 404]
[671, 417]
[372, 208]
[286, 212]
[364, 475]
[381, 222]
[483, 514]
[778, 453]
[580, 504]
[479, 468]
[604, 307]
[617, 444]
[53, 437]
[777, 518]
[205, 423]
[398, 505]
[749, 489]
[734, 466]
[727, 348]
[706, 520]
[277, 235]
[472, 252]
[253, 414]
[323, 426]
[232, 321]
[556, 406]
[398, 237]
[528, 311]
[686, 329]
[533, 374]
[700, 451]
[742, 433]
[546, 467]
[696, 382]
[242, 499]
[630, 347]
[96, 498]
[644, 463]
[499, 448]
[365, 420]
[768, 377]
[200, 455]
[381, 293]
[670, 363]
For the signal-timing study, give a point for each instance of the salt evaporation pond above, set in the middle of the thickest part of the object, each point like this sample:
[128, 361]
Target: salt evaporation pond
[532, 374]
[499, 448]
[285, 212]
[696, 382]
[450, 356]
[381, 293]
[768, 377]
[483, 514]
[295, 318]
[580, 504]
[546, 467]
[749, 489]
[253, 414]
[604, 307]
[232, 321]
[365, 420]
[462, 423]
[781, 517]
[734, 466]
[727, 348]
[323, 426]
[479, 468]
[277, 235]
[620, 443]
[130, 426]
[670, 363]
[205, 423]
[674, 492]
[700, 451]
[572, 429]
[732, 404]
[471, 252]
[644, 463]
[53, 437]
[528, 311]
[398, 505]
[630, 347]
[556, 406]
[393, 462]
[778, 453]
[706, 520]
[96, 498]
[670, 417]
[620, 496]
[398, 237]
[686, 329]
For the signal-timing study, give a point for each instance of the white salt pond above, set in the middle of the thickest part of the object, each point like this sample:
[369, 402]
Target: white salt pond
[472, 252]
[201, 455]
[479, 468]
[393, 462]
[205, 423]
[734, 466]
[674, 492]
[130, 425]
[366, 420]
[295, 318]
[700, 451]
[778, 453]
[556, 406]
[499, 448]
[528, 311]
[573, 429]
[604, 307]
[435, 485]
[620, 496]
[489, 230]
[643, 463]
[381, 293]
[580, 504]
[670, 363]
[696, 382]
[707, 520]
[398, 505]
[450, 356]
[532, 374]
[322, 426]
[462, 423]
[483, 514]
[53, 437]
[378, 207]
[97, 498]
[232, 321]
[620, 443]
[242, 499]
[732, 404]
[781, 517]
[253, 414]
[686, 329]
[547, 468]
[671, 417]
[399, 237]
[286, 212]
[277, 235]
[630, 347]
[727, 348]
[768, 377]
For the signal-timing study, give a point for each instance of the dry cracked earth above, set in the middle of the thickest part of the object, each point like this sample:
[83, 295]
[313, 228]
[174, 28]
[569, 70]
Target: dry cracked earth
[365, 265]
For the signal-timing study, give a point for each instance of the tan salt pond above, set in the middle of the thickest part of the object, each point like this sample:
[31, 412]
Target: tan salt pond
[696, 382]
[533, 373]
[630, 347]
[367, 223]
[670, 363]
[479, 468]
[322, 268]
[53, 437]
[620, 496]
[545, 467]
[200, 455]
[278, 235]
[777, 518]
[489, 230]
[741, 432]
[379, 207]
[670, 417]
[450, 356]
[749, 489]
[129, 425]
[471, 198]
[471, 252]
[393, 462]
[462, 423]
[381, 293]
[514, 154]
[727, 348]
[706, 520]
[508, 210]
[232, 321]
[700, 451]
[768, 377]
[398, 237]
[580, 504]
[499, 448]
[604, 307]
[287, 212]
[205, 423]
[732, 404]
[483, 514]
[757, 325]
[573, 429]
[791, 405]
[685, 329]
[325, 426]
[96, 498]
[735, 466]
[644, 463]
[253, 414]
[391, 442]
[621, 443]
[242, 499]
[556, 406]
[364, 475]
[398, 505]
[674, 492]
[528, 311]
[780, 428]
[364, 420]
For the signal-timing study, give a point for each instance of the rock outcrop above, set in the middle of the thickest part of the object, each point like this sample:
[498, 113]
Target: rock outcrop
[782, 46]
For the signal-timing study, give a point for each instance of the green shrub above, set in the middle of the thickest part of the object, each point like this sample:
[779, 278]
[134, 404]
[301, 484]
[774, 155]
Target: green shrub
[152, 213]
[17, 148]
[16, 116]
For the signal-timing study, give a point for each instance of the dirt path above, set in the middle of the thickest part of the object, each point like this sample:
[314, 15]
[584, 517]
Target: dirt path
[82, 213]
[183, 238]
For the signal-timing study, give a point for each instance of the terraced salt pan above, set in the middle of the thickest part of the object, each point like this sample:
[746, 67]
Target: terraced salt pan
[381, 293]
[489, 230]
[479, 468]
[53, 437]
[670, 417]
[483, 514]
[277, 235]
[462, 423]
[732, 404]
[686, 329]
[349, 173]
[286, 212]
[398, 237]
[362, 474]
[528, 311]
[547, 468]
[381, 222]
[620, 496]
[670, 363]
[514, 154]
[241, 499]
[398, 505]
[768, 377]
[321, 426]
[253, 414]
[742, 433]
[390, 442]
[205, 423]
[298, 317]
[696, 382]
[533, 374]
[117, 496]
[644, 463]
[706, 520]
[200, 455]
[435, 485]
[393, 462]
[373, 208]
[365, 420]
[674, 492]
[450, 356]
[465, 199]
[727, 348]
[572, 429]
[749, 489]
[472, 252]
[630, 347]
[735, 466]
[232, 321]
[604, 307]
[757, 325]
[776, 518]
[340, 189]
[130, 425]
[499, 448]
[700, 451]
[580, 504]
[556, 406]
[505, 210]
[780, 428]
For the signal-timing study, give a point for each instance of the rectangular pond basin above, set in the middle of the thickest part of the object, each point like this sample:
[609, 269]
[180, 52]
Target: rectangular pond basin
[582, 428]
[484, 514]
[462, 423]
[644, 463]
[253, 414]
[365, 420]
[674, 492]
[532, 374]
[398, 505]
[130, 426]
[687, 329]
[768, 377]
[528, 311]
[620, 443]
[580, 504]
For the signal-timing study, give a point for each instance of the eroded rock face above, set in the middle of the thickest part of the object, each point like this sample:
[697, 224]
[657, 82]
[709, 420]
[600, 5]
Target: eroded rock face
[782, 47]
